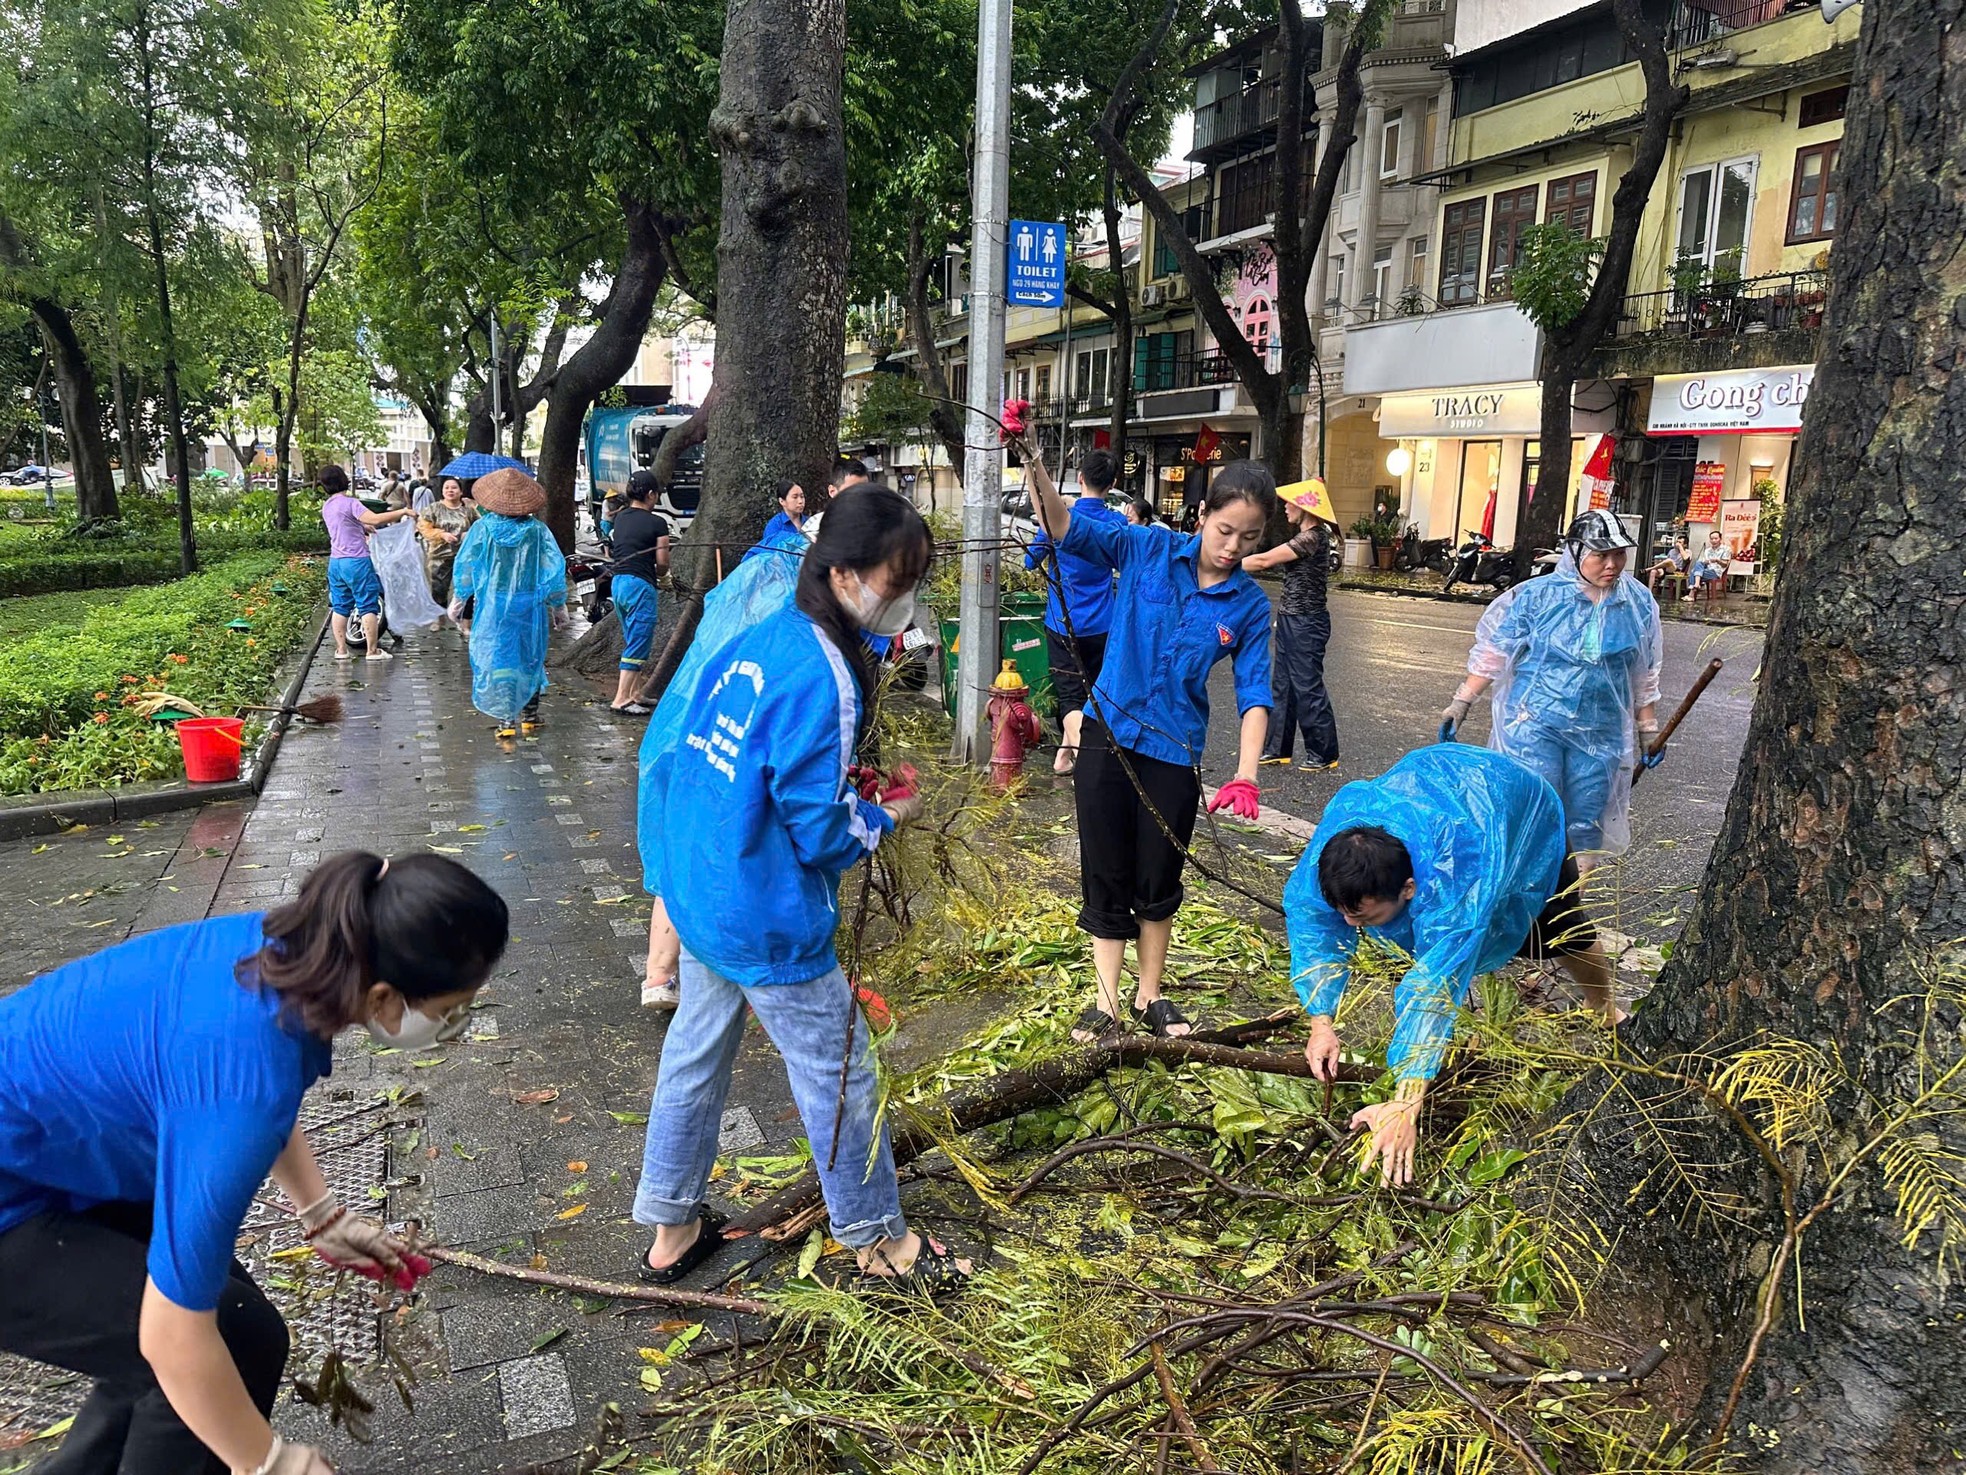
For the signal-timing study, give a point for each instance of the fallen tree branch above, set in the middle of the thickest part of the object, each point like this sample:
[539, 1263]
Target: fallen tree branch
[1176, 1407]
[661, 1295]
[1014, 1092]
[1630, 1373]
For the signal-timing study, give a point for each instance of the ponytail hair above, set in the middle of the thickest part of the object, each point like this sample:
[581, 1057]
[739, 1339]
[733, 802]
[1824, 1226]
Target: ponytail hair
[865, 527]
[427, 927]
[1242, 481]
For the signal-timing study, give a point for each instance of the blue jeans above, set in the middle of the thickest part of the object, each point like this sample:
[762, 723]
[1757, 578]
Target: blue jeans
[1298, 697]
[634, 602]
[354, 587]
[808, 1024]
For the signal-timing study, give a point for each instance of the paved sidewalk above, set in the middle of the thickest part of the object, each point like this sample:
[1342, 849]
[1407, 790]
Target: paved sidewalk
[475, 1139]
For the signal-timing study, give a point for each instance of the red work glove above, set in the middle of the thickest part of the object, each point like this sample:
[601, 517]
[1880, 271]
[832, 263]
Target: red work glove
[864, 781]
[900, 784]
[361, 1244]
[1239, 796]
[1014, 411]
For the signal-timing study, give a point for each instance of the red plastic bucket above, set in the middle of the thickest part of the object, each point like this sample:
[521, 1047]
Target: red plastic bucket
[212, 748]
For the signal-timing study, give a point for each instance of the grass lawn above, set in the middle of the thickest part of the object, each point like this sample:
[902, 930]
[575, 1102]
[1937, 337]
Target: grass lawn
[37, 613]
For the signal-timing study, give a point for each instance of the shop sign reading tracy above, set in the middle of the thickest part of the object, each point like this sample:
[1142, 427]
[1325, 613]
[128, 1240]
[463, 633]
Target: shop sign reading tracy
[1457, 413]
[1746, 402]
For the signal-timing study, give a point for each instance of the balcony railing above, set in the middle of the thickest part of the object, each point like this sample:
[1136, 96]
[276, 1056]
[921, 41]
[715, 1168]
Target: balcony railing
[1203, 370]
[1240, 113]
[1697, 22]
[1770, 304]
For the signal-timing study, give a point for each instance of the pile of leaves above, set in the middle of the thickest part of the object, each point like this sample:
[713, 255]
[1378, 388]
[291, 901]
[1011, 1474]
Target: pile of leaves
[68, 696]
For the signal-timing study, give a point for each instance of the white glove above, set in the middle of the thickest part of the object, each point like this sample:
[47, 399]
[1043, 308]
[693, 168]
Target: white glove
[292, 1459]
[904, 810]
[361, 1244]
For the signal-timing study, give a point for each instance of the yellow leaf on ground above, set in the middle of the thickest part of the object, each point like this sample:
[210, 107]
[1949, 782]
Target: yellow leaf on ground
[576, 1167]
[573, 1213]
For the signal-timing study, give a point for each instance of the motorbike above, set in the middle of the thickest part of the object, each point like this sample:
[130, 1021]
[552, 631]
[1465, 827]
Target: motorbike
[1415, 553]
[1479, 561]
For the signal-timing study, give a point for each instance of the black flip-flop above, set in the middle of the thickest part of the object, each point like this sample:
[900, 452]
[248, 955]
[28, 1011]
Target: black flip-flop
[937, 1272]
[709, 1239]
[1097, 1023]
[1158, 1015]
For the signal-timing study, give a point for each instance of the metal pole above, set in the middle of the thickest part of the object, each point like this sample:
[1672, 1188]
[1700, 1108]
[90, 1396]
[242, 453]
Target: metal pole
[976, 654]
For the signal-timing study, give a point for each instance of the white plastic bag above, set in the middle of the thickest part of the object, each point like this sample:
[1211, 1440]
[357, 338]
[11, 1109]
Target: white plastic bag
[405, 587]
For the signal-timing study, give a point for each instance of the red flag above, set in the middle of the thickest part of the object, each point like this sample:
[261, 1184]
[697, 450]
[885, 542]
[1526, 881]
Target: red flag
[1206, 445]
[1102, 440]
[1597, 481]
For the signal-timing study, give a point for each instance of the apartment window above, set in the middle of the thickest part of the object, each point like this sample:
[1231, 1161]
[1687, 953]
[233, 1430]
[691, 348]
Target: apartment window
[1382, 280]
[1091, 376]
[1043, 385]
[1416, 265]
[1023, 383]
[1515, 212]
[1157, 360]
[1258, 318]
[1573, 202]
[1336, 296]
[1194, 220]
[959, 383]
[1389, 146]
[1714, 205]
[1460, 252]
[1812, 205]
[1819, 108]
[1429, 129]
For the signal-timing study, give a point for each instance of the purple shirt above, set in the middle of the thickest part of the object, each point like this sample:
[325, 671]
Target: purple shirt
[347, 538]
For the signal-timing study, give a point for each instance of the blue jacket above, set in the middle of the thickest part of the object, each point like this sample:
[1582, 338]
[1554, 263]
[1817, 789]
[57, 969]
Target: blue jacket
[1087, 585]
[757, 823]
[1486, 837]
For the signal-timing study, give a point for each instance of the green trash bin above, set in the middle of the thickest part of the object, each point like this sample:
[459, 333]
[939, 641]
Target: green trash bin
[1021, 629]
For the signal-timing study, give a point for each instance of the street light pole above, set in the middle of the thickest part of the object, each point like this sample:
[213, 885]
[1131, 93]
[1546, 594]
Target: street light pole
[976, 652]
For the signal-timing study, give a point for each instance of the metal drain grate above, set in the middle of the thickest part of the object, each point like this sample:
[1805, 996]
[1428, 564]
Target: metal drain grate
[350, 1142]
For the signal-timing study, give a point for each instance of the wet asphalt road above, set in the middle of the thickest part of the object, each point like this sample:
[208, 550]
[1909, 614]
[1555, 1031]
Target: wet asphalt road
[1393, 664]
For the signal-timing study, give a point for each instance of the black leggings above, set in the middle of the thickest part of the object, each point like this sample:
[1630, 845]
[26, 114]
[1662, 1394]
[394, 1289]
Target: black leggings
[1129, 869]
[71, 1287]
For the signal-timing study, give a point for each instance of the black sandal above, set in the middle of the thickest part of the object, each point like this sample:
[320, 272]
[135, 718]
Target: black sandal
[709, 1239]
[1095, 1022]
[1160, 1014]
[938, 1271]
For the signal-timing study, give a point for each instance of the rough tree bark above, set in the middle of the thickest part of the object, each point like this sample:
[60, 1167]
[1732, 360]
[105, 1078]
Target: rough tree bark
[75, 387]
[933, 375]
[1567, 347]
[781, 268]
[1120, 365]
[1298, 229]
[1838, 880]
[600, 361]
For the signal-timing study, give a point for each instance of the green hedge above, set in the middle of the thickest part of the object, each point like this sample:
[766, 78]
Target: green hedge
[57, 564]
[66, 719]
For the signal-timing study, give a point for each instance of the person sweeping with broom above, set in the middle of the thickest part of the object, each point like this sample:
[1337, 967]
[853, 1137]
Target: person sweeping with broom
[514, 571]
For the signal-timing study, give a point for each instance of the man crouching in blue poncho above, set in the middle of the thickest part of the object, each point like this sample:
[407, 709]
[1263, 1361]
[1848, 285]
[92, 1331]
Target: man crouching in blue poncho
[1455, 855]
[510, 565]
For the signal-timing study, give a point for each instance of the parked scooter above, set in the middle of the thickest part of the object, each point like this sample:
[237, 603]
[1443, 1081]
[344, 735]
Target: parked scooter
[1415, 552]
[1479, 561]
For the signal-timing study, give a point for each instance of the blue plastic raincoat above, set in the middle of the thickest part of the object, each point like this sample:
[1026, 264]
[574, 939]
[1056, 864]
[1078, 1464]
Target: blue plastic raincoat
[761, 585]
[1486, 838]
[517, 574]
[1570, 674]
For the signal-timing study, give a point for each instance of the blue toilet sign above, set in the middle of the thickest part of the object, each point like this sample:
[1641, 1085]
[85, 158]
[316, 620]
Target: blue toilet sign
[1035, 276]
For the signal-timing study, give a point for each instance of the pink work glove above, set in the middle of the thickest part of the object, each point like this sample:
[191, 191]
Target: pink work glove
[1014, 411]
[1239, 796]
[900, 784]
[361, 1244]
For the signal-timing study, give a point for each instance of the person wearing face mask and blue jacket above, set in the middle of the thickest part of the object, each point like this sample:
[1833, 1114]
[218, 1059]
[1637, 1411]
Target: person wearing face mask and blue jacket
[759, 820]
[148, 1091]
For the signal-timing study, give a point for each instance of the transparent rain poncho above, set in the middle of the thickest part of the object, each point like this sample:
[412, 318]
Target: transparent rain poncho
[517, 574]
[1486, 839]
[398, 563]
[1570, 674]
[758, 588]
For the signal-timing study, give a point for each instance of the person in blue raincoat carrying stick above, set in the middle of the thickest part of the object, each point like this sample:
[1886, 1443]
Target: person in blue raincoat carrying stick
[510, 565]
[1455, 855]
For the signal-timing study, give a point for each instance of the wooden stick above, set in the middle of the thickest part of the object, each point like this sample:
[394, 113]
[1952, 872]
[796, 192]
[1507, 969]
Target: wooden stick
[1693, 693]
[1180, 1411]
[660, 1295]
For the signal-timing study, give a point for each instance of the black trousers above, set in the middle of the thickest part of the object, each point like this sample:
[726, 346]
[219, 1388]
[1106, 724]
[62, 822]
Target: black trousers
[1129, 871]
[1565, 928]
[1075, 667]
[1297, 690]
[71, 1286]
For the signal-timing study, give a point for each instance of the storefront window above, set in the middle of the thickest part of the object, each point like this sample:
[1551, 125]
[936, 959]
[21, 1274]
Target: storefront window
[1481, 482]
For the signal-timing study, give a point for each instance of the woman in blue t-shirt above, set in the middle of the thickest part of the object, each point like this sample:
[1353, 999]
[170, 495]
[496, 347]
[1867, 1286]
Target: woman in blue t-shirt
[1183, 603]
[148, 1091]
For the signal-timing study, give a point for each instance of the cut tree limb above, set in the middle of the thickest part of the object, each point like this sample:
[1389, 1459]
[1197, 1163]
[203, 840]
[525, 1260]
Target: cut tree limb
[1047, 1083]
[660, 1295]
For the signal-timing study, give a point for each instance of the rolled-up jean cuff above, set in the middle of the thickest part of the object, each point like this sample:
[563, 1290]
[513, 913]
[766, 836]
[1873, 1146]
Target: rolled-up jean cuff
[870, 1231]
[654, 1211]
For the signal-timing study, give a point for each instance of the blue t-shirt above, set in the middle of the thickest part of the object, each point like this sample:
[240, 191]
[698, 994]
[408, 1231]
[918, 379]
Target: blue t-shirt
[1088, 586]
[1167, 632]
[775, 531]
[149, 1074]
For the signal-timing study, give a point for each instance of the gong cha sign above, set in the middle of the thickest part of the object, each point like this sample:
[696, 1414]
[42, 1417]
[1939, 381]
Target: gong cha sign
[1741, 402]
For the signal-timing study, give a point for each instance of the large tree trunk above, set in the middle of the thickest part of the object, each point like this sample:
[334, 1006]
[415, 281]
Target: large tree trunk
[153, 221]
[1119, 370]
[781, 268]
[601, 361]
[1838, 882]
[81, 412]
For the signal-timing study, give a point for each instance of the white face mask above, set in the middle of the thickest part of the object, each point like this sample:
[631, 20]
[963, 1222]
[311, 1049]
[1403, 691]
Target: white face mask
[414, 1031]
[879, 616]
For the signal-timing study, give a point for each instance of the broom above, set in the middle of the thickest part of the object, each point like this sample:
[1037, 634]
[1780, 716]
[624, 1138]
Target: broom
[323, 709]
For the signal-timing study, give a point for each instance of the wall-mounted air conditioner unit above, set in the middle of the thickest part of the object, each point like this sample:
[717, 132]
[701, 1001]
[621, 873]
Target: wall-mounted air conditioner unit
[1178, 290]
[1153, 295]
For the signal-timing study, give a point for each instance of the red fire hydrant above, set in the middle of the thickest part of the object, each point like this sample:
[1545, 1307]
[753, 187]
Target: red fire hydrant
[1014, 723]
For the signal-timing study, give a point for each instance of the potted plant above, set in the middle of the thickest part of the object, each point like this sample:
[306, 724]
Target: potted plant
[1358, 547]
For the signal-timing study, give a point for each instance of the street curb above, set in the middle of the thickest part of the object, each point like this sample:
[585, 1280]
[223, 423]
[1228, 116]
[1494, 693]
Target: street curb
[39, 815]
